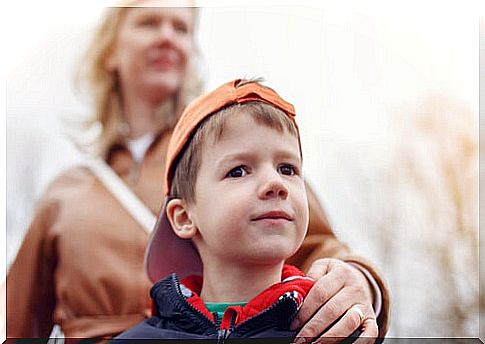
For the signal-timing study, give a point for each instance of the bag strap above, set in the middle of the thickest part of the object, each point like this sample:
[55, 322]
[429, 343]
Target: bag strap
[131, 202]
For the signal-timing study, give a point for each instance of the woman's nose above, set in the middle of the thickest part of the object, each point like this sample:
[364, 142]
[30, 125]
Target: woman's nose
[166, 32]
[273, 186]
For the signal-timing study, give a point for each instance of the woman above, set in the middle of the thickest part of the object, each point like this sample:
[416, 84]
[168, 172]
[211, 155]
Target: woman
[81, 262]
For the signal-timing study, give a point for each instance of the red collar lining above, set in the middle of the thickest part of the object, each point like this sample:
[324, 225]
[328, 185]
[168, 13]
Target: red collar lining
[256, 305]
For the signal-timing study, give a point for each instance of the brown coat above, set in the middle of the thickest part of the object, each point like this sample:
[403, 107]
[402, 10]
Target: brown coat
[81, 262]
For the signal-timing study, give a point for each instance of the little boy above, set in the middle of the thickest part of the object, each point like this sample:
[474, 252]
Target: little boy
[236, 209]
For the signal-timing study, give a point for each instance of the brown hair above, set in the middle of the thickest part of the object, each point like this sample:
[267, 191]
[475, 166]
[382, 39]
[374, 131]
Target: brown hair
[104, 86]
[185, 176]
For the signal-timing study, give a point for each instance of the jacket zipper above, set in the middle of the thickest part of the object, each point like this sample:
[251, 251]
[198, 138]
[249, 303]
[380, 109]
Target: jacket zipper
[208, 321]
[272, 307]
[223, 334]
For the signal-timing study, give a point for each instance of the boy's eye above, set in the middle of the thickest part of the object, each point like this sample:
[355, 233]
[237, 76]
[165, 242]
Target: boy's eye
[237, 172]
[287, 169]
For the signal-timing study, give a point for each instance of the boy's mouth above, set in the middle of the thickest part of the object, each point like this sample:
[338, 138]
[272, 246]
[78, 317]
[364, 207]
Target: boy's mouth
[273, 215]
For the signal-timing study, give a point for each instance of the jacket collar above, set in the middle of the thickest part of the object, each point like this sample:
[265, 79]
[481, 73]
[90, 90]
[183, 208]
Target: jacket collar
[281, 300]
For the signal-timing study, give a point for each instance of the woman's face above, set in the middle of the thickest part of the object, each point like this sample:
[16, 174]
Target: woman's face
[152, 49]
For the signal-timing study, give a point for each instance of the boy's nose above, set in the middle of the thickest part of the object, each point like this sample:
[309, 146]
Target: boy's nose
[273, 187]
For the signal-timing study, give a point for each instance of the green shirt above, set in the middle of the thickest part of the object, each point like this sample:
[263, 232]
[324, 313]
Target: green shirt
[220, 307]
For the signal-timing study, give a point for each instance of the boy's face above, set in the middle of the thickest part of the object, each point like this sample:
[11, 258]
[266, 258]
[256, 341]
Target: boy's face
[250, 199]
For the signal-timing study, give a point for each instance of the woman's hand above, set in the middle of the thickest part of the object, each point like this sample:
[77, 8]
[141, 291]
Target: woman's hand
[341, 298]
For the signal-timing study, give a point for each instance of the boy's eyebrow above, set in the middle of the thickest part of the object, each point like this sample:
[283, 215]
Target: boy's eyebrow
[281, 154]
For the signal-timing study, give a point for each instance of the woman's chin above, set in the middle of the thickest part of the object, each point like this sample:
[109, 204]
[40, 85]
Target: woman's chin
[162, 85]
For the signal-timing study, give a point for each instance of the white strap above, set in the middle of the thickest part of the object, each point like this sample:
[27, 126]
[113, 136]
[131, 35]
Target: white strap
[137, 209]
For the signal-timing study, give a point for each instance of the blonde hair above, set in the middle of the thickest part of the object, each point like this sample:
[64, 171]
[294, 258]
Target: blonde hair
[104, 86]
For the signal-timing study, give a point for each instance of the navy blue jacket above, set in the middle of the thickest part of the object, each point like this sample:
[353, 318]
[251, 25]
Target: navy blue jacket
[182, 315]
[179, 318]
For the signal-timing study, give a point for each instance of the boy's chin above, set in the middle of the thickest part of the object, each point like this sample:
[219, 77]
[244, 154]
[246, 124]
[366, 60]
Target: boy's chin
[271, 255]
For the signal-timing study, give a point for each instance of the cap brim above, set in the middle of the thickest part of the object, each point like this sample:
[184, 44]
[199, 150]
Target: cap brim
[166, 253]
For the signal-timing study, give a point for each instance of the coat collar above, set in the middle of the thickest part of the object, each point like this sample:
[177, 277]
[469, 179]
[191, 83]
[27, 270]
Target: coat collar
[174, 298]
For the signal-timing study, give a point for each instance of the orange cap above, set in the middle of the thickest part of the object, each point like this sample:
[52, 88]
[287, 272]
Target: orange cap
[166, 252]
[206, 105]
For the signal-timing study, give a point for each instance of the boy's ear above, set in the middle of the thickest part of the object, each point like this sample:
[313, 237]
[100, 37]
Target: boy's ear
[179, 218]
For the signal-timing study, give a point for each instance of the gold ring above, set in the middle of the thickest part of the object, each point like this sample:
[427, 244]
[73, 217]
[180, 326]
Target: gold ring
[358, 311]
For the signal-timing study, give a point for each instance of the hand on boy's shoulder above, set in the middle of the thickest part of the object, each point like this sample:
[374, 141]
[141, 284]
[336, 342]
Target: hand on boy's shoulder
[347, 300]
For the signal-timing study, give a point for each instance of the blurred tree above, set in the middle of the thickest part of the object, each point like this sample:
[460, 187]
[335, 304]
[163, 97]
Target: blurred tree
[439, 153]
[412, 198]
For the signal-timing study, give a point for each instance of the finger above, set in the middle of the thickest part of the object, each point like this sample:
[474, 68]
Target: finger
[301, 340]
[327, 315]
[319, 268]
[369, 333]
[347, 324]
[328, 340]
[323, 290]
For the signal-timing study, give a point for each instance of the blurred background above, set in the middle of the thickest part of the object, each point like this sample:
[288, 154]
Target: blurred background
[387, 99]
